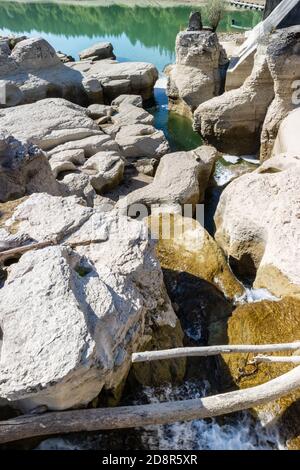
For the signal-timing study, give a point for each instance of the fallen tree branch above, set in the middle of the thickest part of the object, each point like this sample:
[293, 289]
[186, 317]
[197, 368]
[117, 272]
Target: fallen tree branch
[285, 359]
[141, 415]
[20, 250]
[147, 356]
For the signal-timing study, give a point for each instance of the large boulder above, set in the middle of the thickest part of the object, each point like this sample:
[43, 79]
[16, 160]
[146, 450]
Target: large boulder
[24, 169]
[118, 78]
[48, 123]
[181, 178]
[73, 313]
[232, 122]
[185, 246]
[105, 169]
[33, 71]
[196, 76]
[141, 140]
[284, 64]
[99, 51]
[258, 225]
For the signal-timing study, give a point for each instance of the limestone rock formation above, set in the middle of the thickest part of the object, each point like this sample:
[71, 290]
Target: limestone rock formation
[181, 178]
[117, 78]
[284, 64]
[242, 120]
[99, 51]
[71, 317]
[232, 122]
[141, 140]
[258, 226]
[24, 169]
[287, 141]
[196, 76]
[195, 21]
[48, 123]
[33, 69]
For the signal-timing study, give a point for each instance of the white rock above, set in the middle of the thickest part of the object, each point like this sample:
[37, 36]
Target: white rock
[72, 318]
[24, 169]
[101, 50]
[48, 123]
[106, 170]
[181, 178]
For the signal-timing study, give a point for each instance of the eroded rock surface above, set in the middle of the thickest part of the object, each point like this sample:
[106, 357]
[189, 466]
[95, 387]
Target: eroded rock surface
[24, 169]
[72, 316]
[196, 76]
[258, 225]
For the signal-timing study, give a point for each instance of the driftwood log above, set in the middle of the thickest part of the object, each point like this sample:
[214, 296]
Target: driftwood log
[62, 422]
[147, 356]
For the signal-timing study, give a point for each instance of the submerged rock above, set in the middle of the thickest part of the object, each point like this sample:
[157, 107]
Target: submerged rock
[72, 317]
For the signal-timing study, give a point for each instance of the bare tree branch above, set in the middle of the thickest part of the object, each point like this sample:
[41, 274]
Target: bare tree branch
[283, 359]
[141, 415]
[147, 356]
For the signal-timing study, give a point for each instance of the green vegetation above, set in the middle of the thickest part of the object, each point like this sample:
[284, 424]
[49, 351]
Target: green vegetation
[214, 12]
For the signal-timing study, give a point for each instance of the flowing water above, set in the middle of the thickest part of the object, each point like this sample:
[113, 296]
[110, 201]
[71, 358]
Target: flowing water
[143, 34]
